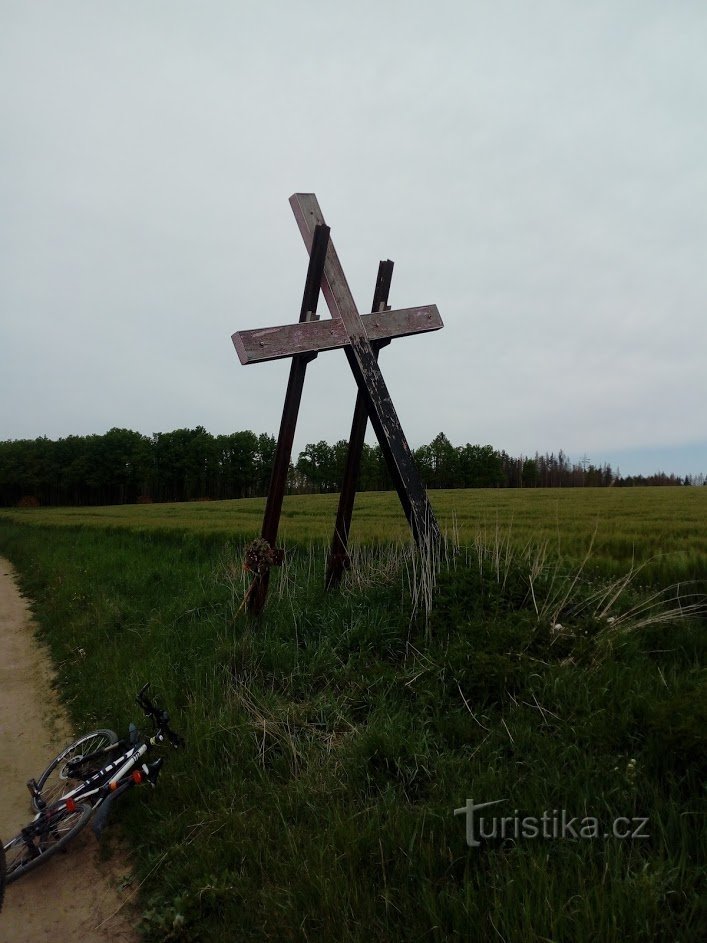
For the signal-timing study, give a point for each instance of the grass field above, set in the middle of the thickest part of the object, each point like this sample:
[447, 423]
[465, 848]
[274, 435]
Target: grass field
[663, 528]
[330, 742]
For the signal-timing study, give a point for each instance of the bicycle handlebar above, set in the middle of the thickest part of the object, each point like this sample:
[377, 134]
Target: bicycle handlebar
[160, 718]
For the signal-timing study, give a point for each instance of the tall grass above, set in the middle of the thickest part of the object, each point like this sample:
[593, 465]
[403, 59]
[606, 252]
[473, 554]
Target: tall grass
[330, 741]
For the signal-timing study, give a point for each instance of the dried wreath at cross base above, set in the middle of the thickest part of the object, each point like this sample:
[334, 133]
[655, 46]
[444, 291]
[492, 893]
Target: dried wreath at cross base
[260, 556]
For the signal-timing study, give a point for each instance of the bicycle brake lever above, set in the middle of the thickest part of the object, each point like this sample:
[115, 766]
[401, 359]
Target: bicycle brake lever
[144, 701]
[153, 770]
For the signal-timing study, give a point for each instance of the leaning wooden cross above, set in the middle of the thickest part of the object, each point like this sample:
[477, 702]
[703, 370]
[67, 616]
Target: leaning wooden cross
[361, 337]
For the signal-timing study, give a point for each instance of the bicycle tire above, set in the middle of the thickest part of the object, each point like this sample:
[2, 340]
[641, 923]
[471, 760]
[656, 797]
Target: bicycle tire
[2, 875]
[64, 826]
[54, 782]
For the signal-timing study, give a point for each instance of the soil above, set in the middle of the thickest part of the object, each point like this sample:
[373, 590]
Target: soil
[75, 895]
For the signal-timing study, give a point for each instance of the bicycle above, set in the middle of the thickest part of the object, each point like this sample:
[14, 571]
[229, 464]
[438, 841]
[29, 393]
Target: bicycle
[79, 785]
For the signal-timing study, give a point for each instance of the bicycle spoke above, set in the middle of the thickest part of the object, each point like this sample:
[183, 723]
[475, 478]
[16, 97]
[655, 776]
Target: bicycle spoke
[41, 839]
[63, 775]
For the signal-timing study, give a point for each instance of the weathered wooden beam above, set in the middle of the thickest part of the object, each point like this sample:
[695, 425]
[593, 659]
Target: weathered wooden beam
[369, 379]
[339, 554]
[287, 340]
[293, 397]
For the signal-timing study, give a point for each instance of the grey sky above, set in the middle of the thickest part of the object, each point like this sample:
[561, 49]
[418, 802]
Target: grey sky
[539, 171]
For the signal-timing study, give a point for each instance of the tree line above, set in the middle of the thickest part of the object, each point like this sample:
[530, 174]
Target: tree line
[122, 467]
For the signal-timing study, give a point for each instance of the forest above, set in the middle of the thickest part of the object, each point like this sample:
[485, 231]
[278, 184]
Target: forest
[127, 467]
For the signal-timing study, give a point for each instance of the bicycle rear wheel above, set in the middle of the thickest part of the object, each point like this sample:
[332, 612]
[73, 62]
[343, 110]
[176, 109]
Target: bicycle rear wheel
[58, 779]
[44, 839]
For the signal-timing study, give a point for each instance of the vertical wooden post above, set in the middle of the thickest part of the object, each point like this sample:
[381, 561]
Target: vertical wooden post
[338, 555]
[293, 397]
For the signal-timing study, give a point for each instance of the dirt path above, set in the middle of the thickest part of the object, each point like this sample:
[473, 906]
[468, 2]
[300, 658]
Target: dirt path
[74, 896]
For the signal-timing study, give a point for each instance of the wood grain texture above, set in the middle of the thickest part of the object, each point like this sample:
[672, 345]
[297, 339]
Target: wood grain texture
[288, 340]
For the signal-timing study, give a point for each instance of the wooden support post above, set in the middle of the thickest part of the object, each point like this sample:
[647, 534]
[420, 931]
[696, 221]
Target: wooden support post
[298, 369]
[338, 555]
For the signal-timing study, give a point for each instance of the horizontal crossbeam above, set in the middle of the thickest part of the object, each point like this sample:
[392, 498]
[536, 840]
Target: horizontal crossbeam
[273, 343]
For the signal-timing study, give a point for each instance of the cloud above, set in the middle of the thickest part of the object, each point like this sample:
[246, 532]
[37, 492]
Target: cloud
[538, 172]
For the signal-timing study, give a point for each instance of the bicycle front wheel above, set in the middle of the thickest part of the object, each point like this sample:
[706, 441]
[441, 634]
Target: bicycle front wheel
[44, 839]
[58, 778]
[2, 875]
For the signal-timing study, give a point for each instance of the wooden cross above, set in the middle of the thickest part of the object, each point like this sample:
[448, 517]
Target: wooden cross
[361, 337]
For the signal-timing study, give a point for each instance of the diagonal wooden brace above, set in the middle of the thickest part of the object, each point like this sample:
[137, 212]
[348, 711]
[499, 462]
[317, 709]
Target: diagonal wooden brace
[369, 379]
[338, 560]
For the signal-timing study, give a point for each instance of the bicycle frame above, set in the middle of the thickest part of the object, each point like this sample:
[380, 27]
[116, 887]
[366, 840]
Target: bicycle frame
[110, 775]
[102, 784]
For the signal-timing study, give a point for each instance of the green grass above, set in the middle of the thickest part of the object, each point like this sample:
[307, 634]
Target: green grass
[329, 743]
[661, 528]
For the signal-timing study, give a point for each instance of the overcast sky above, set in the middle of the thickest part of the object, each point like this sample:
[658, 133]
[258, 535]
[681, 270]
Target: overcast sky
[537, 170]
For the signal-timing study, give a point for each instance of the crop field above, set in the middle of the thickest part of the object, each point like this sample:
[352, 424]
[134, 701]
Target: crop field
[662, 529]
[550, 662]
